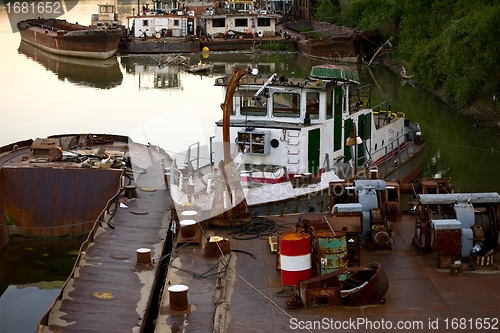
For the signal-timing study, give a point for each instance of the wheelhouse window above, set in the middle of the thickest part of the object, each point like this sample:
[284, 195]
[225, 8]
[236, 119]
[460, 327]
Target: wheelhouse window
[218, 23]
[286, 104]
[106, 9]
[251, 105]
[312, 104]
[241, 22]
[144, 23]
[263, 22]
[176, 23]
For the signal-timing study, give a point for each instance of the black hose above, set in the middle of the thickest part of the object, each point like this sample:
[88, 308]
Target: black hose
[241, 251]
[255, 227]
[113, 213]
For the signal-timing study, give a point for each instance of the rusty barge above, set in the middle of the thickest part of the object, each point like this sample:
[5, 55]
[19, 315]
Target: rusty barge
[148, 265]
[109, 188]
[327, 41]
[316, 272]
[71, 39]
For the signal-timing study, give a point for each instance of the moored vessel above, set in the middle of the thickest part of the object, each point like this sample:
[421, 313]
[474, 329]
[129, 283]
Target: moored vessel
[70, 39]
[283, 140]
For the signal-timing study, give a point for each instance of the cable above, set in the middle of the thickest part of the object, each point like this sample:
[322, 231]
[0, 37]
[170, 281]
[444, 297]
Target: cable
[246, 252]
[463, 146]
[258, 291]
[255, 227]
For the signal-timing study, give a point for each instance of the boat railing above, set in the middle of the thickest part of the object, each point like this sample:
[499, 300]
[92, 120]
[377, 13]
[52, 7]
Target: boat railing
[384, 114]
[43, 26]
[396, 150]
[190, 158]
[211, 150]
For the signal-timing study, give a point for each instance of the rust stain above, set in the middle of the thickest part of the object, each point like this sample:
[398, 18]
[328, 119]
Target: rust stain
[56, 201]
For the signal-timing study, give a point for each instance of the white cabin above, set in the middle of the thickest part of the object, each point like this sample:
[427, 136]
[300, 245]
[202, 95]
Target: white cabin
[255, 23]
[283, 141]
[161, 26]
[107, 16]
[287, 127]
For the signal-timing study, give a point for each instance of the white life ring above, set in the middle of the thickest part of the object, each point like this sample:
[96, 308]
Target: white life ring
[260, 33]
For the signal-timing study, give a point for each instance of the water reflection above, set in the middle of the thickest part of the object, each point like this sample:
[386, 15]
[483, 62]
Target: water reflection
[31, 275]
[165, 72]
[152, 73]
[456, 147]
[183, 107]
[101, 74]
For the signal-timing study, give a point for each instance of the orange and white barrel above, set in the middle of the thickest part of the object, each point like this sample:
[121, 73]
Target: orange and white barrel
[295, 258]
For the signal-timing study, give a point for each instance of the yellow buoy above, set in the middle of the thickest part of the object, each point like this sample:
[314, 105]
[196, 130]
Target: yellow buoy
[206, 49]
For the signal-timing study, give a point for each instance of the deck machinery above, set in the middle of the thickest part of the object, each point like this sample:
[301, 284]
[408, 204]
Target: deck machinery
[458, 225]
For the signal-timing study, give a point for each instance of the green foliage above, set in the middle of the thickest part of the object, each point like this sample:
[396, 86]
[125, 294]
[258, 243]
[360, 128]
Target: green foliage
[382, 15]
[308, 29]
[424, 64]
[449, 44]
[470, 47]
[328, 11]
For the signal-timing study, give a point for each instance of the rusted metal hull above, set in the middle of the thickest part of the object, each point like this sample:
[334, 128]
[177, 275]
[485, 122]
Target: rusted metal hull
[327, 41]
[364, 285]
[173, 46]
[63, 38]
[41, 197]
[312, 202]
[113, 287]
[244, 44]
[329, 49]
[56, 201]
[405, 171]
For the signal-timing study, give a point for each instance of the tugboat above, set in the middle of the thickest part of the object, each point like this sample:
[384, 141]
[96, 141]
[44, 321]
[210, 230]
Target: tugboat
[283, 140]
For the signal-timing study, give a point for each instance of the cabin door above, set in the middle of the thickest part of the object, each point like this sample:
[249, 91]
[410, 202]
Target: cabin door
[313, 148]
[364, 132]
[347, 132]
[190, 26]
[337, 120]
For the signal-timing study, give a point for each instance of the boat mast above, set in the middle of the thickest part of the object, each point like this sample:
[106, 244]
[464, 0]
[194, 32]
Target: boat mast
[226, 108]
[220, 216]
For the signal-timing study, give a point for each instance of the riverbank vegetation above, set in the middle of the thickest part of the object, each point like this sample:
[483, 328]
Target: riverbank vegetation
[451, 46]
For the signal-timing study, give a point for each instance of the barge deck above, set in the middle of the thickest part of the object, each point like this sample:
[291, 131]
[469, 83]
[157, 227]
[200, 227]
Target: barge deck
[115, 276]
[245, 294]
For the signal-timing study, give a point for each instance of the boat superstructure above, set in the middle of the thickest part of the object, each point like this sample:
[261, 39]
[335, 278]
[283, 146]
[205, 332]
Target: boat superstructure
[286, 139]
[107, 16]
